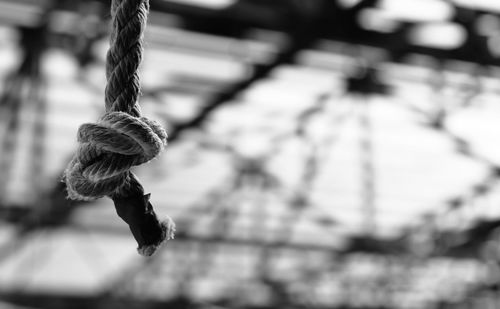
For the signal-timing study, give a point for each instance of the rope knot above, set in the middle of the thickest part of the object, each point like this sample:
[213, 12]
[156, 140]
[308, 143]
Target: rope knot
[107, 151]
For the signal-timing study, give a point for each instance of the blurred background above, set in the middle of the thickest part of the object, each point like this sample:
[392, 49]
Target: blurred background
[322, 154]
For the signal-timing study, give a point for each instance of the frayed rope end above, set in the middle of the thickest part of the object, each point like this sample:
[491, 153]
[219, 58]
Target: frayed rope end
[168, 232]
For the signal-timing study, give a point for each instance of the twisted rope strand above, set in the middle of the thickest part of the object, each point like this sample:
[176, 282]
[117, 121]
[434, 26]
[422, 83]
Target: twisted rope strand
[121, 138]
[125, 55]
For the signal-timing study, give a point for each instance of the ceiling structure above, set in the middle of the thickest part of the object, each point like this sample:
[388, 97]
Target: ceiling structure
[321, 154]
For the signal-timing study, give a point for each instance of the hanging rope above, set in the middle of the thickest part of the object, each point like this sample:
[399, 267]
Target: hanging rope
[121, 138]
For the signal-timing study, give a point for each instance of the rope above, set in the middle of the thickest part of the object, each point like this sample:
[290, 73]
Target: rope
[121, 138]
